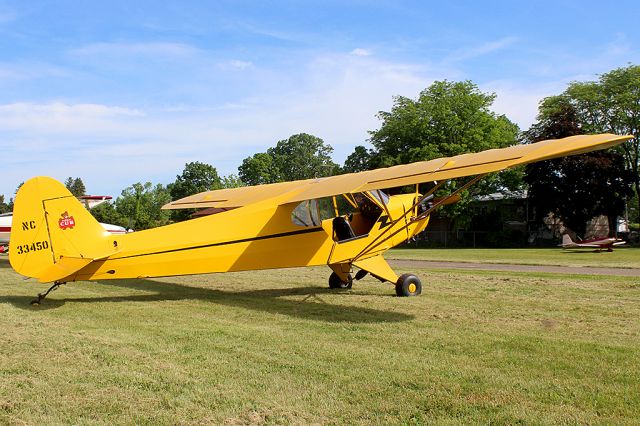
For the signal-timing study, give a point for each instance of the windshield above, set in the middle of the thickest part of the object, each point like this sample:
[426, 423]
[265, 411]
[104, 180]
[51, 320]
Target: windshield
[380, 196]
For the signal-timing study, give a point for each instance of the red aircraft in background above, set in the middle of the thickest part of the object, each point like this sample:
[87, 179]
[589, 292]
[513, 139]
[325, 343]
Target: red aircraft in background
[596, 243]
[5, 229]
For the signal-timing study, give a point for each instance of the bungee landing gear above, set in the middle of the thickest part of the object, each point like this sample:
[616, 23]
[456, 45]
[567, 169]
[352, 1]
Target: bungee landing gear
[41, 296]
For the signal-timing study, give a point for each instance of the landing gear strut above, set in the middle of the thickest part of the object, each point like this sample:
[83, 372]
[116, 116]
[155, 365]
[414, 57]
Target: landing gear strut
[41, 296]
[408, 285]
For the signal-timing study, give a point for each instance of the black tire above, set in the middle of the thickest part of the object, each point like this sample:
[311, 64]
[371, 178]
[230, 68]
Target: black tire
[408, 285]
[336, 282]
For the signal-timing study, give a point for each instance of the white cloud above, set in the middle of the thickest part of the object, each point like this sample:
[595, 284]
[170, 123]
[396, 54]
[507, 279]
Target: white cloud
[480, 50]
[334, 96]
[236, 64]
[337, 100]
[361, 52]
[265, 31]
[519, 101]
[12, 72]
[113, 146]
[58, 117]
[620, 46]
[347, 92]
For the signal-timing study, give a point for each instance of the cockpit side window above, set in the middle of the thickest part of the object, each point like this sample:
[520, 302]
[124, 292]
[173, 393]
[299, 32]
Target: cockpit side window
[359, 208]
[306, 214]
[313, 212]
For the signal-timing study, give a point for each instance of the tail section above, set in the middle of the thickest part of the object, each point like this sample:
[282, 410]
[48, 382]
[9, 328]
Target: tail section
[566, 240]
[53, 235]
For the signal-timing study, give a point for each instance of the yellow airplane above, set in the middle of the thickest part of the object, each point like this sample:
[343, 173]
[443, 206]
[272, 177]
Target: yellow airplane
[343, 221]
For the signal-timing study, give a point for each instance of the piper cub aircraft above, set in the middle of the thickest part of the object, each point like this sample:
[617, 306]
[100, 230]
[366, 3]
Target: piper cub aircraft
[343, 221]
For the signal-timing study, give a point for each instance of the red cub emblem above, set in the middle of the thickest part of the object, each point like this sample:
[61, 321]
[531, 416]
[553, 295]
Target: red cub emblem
[66, 221]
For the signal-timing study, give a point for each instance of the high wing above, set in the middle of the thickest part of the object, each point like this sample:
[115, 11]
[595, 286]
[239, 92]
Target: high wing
[237, 197]
[407, 174]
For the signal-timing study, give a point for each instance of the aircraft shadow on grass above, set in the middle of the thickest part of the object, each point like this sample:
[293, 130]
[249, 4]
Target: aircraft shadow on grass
[308, 305]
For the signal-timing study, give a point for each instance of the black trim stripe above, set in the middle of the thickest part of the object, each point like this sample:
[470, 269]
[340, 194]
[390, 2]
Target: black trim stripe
[244, 240]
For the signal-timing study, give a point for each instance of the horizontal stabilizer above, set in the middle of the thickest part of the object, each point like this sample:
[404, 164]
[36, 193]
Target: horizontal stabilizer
[64, 267]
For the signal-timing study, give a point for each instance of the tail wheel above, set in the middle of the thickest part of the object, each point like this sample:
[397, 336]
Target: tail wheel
[336, 282]
[408, 285]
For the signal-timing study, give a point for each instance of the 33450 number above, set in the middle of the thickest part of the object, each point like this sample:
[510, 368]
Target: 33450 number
[27, 248]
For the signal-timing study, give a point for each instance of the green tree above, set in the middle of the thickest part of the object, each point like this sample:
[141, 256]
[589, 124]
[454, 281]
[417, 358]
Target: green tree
[140, 206]
[106, 213]
[557, 118]
[301, 156]
[612, 104]
[447, 119]
[574, 188]
[11, 200]
[4, 207]
[258, 169]
[196, 177]
[231, 181]
[359, 160]
[75, 186]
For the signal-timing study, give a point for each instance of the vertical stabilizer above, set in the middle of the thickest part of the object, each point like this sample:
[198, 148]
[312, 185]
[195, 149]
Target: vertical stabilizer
[52, 234]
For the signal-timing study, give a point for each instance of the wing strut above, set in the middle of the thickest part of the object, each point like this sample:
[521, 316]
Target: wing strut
[378, 240]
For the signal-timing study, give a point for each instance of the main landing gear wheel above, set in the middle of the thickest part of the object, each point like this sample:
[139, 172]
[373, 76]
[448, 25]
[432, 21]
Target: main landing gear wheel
[408, 285]
[336, 282]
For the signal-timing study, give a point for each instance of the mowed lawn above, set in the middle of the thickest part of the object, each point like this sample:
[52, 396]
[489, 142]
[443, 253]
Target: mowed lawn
[621, 257]
[278, 347]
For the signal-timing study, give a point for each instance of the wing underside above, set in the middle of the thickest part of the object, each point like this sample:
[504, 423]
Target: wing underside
[407, 174]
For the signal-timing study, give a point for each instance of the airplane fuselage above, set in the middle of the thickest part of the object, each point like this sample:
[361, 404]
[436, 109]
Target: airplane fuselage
[258, 236]
[595, 243]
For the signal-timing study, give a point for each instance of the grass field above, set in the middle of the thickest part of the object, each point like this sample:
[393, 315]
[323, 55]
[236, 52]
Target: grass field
[277, 347]
[622, 257]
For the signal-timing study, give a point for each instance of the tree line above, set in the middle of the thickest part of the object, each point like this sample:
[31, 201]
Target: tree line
[446, 119]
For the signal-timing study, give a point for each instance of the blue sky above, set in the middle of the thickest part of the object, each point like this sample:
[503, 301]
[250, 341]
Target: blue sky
[119, 92]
